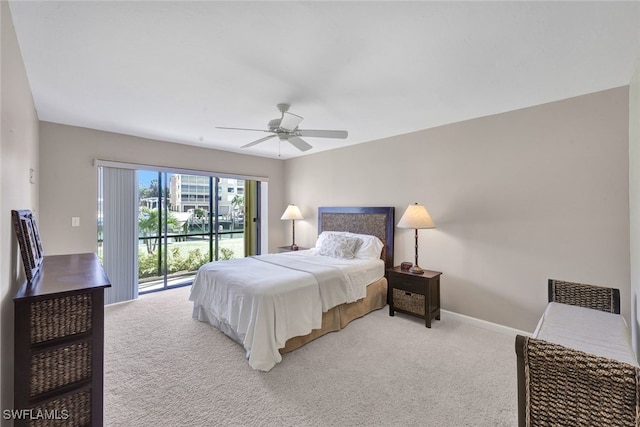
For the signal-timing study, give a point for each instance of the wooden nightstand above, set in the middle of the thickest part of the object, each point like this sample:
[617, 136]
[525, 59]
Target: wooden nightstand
[289, 249]
[414, 294]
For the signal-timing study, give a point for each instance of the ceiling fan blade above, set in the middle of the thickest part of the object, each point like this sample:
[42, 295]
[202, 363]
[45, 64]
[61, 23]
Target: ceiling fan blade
[299, 143]
[256, 130]
[251, 144]
[340, 134]
[290, 121]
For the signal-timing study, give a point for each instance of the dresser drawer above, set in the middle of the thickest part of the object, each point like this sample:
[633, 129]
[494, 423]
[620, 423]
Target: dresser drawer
[60, 317]
[62, 366]
[70, 410]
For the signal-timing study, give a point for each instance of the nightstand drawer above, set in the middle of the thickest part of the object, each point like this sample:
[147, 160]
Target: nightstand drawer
[408, 283]
[408, 301]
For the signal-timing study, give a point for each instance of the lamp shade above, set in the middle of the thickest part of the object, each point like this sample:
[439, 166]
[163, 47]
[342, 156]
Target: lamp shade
[292, 212]
[416, 216]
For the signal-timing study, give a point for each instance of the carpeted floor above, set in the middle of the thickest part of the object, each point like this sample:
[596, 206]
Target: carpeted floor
[163, 368]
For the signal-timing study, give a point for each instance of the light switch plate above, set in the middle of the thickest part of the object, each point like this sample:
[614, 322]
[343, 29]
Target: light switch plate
[75, 221]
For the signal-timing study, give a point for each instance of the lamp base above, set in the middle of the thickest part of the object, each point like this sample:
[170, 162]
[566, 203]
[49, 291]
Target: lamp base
[416, 270]
[294, 247]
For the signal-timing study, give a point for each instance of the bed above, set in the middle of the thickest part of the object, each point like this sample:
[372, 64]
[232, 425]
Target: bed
[273, 304]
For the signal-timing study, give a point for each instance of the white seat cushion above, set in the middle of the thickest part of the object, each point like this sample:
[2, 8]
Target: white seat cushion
[592, 331]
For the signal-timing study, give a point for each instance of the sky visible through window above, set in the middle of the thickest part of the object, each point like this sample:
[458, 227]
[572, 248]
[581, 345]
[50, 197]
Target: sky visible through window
[145, 177]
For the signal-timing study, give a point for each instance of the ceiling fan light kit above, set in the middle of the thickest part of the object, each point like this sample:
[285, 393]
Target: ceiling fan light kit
[290, 122]
[286, 129]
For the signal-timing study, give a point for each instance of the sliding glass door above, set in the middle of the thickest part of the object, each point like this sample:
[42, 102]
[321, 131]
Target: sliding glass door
[176, 222]
[184, 222]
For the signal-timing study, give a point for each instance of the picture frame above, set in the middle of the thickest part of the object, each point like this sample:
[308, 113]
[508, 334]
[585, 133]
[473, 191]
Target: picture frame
[28, 236]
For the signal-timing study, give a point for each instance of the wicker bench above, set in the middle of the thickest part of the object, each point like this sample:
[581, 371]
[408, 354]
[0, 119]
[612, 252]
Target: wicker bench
[578, 368]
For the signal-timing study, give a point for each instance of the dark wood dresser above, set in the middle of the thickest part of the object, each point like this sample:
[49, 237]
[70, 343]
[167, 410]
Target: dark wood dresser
[59, 343]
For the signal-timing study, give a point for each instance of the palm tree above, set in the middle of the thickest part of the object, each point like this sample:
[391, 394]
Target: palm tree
[148, 226]
[153, 190]
[237, 202]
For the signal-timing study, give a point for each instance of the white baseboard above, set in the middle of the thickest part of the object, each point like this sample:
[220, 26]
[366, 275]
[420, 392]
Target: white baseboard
[505, 330]
[120, 302]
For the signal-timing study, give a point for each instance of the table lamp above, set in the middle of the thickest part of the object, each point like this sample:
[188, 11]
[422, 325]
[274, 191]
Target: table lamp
[416, 216]
[292, 212]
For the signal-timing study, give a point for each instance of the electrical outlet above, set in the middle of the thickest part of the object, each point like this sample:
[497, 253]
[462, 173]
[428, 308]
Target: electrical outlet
[75, 221]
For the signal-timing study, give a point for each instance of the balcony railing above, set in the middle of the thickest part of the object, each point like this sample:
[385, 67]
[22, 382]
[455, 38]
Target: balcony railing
[182, 256]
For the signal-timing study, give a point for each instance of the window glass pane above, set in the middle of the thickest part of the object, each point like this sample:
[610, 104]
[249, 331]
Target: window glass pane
[181, 226]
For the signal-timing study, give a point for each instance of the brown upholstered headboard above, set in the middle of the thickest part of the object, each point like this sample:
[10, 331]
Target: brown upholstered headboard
[375, 221]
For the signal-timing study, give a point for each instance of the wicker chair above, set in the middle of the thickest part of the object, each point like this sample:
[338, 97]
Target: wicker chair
[560, 386]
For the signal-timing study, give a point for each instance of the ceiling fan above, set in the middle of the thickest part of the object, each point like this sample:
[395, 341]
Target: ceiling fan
[286, 128]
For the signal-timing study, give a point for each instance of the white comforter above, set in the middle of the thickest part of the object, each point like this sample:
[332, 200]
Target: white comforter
[263, 301]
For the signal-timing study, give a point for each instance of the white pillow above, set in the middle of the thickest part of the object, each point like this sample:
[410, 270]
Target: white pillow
[371, 247]
[340, 246]
[322, 237]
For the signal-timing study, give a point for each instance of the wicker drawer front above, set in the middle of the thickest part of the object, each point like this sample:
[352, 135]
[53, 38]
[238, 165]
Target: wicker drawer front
[408, 301]
[62, 366]
[60, 317]
[73, 410]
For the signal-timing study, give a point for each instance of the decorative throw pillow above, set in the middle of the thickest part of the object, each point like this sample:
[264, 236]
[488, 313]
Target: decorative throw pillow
[323, 236]
[340, 246]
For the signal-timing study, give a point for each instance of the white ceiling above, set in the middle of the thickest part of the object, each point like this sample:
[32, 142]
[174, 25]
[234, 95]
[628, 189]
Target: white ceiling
[174, 70]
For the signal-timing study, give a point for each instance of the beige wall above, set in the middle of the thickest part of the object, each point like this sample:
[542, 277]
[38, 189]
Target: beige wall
[634, 204]
[517, 198]
[18, 154]
[69, 179]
